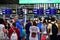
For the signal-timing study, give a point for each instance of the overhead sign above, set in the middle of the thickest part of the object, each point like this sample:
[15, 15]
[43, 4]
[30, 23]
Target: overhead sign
[51, 11]
[41, 11]
[6, 11]
[13, 11]
[20, 11]
[30, 11]
[58, 11]
[38, 11]
[38, 1]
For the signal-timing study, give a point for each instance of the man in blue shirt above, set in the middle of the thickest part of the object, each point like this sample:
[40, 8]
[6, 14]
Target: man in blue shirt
[19, 25]
[39, 26]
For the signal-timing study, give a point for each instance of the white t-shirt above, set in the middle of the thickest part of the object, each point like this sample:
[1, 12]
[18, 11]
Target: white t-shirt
[1, 31]
[34, 29]
[44, 29]
[14, 36]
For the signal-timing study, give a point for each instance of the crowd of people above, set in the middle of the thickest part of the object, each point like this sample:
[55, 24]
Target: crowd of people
[15, 30]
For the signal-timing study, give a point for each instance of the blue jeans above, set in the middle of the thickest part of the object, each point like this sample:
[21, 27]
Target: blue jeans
[27, 36]
[39, 37]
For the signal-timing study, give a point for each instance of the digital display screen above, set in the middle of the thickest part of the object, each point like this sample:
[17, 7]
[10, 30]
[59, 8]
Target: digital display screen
[20, 11]
[58, 11]
[6, 11]
[38, 1]
[53, 11]
[48, 11]
[30, 10]
[13, 11]
[39, 11]
[36, 11]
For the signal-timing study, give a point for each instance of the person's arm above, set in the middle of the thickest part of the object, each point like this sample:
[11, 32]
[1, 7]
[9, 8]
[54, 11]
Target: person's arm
[38, 31]
[49, 27]
[30, 29]
[57, 25]
[4, 30]
[25, 27]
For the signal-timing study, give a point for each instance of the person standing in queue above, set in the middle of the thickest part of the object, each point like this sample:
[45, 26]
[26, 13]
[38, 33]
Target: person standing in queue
[39, 25]
[7, 27]
[27, 26]
[53, 29]
[34, 31]
[2, 29]
[20, 27]
[14, 32]
[44, 31]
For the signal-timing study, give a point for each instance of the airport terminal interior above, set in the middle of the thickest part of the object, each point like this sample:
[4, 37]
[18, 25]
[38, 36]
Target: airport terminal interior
[30, 12]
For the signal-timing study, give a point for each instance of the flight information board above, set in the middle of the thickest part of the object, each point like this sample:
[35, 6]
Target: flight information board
[38, 1]
[51, 11]
[39, 11]
[58, 11]
[6, 11]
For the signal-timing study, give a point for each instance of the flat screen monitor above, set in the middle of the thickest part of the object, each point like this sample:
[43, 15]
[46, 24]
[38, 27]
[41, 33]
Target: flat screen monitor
[30, 10]
[48, 11]
[53, 11]
[58, 11]
[6, 11]
[35, 11]
[41, 11]
[20, 11]
[13, 11]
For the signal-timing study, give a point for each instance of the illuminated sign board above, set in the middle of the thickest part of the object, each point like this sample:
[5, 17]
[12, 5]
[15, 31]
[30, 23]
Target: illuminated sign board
[6, 11]
[51, 11]
[38, 11]
[13, 11]
[30, 11]
[38, 1]
[41, 11]
[58, 11]
[20, 11]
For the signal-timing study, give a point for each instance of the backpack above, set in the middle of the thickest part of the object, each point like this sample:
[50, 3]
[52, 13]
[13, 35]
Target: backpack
[14, 35]
[54, 29]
